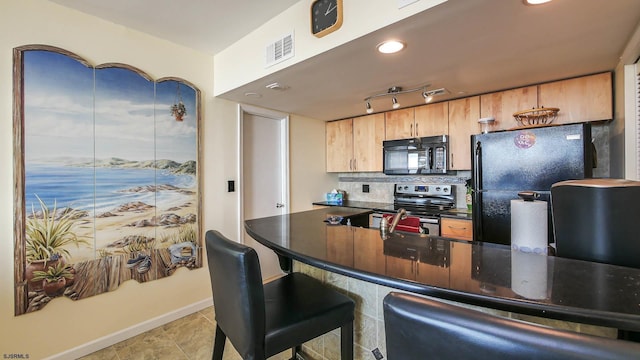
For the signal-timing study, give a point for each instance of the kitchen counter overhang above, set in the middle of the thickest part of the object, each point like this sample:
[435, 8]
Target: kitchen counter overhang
[482, 274]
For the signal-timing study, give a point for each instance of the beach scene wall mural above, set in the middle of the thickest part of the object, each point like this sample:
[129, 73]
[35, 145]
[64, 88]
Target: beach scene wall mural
[106, 173]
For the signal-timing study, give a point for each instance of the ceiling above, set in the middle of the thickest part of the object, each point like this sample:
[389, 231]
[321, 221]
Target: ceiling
[467, 47]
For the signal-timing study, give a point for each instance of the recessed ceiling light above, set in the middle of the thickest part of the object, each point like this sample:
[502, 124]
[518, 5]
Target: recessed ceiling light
[535, 2]
[390, 46]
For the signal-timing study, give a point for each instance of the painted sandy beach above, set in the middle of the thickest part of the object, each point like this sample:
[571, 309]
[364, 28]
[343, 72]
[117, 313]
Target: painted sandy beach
[139, 206]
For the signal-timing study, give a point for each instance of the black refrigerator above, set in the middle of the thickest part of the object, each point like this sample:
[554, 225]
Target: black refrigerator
[527, 159]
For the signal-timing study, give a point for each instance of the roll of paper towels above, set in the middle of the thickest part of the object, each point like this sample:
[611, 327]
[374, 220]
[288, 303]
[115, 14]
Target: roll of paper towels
[529, 226]
[529, 275]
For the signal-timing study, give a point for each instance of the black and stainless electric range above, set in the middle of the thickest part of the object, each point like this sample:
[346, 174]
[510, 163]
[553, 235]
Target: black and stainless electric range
[425, 201]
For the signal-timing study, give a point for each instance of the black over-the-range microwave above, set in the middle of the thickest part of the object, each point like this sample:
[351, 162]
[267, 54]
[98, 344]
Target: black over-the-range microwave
[423, 155]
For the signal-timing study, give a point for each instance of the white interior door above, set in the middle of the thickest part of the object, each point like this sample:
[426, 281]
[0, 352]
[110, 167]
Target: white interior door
[264, 174]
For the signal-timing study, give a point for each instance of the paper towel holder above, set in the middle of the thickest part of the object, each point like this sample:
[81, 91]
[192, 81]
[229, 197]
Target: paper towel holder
[528, 195]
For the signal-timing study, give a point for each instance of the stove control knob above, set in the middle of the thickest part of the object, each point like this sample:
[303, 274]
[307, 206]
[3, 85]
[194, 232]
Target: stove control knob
[406, 187]
[438, 188]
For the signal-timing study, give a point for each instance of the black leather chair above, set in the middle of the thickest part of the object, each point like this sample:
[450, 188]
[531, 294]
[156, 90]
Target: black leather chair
[262, 320]
[419, 328]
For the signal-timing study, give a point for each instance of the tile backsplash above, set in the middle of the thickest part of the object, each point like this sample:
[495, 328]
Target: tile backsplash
[381, 185]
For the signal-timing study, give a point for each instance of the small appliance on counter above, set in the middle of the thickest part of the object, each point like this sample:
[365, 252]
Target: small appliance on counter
[597, 220]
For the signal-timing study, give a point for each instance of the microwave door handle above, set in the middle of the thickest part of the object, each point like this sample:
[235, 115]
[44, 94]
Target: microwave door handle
[431, 160]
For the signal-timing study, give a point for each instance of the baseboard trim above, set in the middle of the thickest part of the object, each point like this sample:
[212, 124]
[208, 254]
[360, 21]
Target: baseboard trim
[106, 341]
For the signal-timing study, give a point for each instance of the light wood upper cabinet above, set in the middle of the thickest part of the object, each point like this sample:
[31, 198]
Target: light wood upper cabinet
[368, 135]
[432, 119]
[501, 105]
[355, 144]
[339, 135]
[399, 124]
[587, 98]
[463, 122]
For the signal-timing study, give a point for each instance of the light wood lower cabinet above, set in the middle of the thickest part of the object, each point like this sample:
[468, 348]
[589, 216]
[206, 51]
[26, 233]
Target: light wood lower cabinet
[461, 229]
[369, 255]
[461, 266]
[340, 244]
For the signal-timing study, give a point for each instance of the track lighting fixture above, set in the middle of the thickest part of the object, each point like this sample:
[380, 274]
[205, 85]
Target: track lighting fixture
[394, 91]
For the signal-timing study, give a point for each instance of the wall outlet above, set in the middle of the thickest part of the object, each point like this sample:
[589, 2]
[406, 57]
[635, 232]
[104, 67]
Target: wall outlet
[365, 188]
[377, 354]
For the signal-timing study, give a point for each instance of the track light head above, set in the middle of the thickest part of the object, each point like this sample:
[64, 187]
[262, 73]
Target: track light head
[395, 103]
[427, 97]
[369, 108]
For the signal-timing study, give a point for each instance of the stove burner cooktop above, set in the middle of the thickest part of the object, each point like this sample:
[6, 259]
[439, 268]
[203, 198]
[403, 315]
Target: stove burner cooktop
[424, 200]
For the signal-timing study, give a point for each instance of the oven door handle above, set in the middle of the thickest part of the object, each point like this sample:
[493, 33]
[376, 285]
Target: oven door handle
[429, 221]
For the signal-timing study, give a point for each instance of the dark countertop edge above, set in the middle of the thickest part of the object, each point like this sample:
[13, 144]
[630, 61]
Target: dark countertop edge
[370, 205]
[453, 213]
[520, 306]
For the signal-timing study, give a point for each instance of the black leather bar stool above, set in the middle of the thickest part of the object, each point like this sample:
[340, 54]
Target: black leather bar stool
[262, 320]
[419, 328]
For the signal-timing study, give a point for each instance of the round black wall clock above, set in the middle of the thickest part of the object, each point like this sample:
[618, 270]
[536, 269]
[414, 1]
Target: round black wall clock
[326, 16]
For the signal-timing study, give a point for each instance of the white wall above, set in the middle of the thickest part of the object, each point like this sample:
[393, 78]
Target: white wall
[244, 62]
[309, 179]
[75, 327]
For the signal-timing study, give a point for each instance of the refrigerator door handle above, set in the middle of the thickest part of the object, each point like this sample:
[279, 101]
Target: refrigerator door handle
[476, 166]
[476, 212]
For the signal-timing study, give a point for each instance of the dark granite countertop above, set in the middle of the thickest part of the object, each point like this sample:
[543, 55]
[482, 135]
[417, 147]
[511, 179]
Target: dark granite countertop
[483, 274]
[376, 206]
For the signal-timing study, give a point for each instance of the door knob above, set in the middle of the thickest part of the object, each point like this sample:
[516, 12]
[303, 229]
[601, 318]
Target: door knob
[279, 205]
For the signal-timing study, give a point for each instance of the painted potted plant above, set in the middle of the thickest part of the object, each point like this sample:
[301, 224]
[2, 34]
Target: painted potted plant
[178, 110]
[48, 233]
[54, 279]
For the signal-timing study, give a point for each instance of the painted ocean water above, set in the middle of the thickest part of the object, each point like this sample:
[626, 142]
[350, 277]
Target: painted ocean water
[105, 188]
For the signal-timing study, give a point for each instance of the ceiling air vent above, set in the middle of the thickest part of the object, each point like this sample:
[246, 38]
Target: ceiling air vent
[279, 50]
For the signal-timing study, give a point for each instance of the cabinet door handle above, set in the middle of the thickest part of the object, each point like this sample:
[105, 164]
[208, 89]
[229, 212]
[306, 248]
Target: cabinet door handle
[411, 129]
[417, 134]
[452, 161]
[457, 227]
[355, 164]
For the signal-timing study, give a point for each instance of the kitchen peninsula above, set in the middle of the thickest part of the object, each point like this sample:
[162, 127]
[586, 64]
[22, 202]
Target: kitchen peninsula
[490, 276]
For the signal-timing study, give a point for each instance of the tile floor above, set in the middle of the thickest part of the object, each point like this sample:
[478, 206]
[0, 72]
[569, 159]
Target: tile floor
[188, 338]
